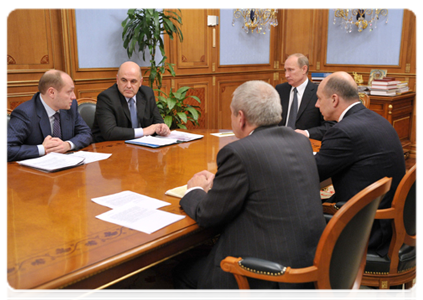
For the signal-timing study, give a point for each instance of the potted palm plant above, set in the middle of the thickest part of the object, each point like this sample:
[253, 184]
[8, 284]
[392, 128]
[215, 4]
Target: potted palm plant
[143, 30]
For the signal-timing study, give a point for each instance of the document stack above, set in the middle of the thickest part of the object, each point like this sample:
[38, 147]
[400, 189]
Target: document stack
[318, 77]
[388, 86]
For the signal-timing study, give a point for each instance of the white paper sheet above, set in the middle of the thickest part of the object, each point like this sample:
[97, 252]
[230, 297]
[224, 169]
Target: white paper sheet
[140, 218]
[91, 156]
[126, 197]
[52, 162]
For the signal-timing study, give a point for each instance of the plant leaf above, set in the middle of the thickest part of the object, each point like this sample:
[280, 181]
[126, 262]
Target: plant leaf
[171, 103]
[168, 121]
[183, 116]
[196, 98]
[193, 112]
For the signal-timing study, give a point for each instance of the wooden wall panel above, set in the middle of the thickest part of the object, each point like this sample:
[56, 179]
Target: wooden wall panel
[34, 49]
[194, 53]
[226, 85]
[296, 27]
[34, 45]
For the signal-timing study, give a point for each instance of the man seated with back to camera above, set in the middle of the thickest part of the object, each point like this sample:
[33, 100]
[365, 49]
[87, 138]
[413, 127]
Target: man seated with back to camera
[360, 149]
[128, 109]
[265, 196]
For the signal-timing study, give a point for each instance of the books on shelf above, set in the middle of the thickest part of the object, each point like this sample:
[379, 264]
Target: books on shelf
[174, 137]
[383, 93]
[385, 81]
[319, 76]
[388, 86]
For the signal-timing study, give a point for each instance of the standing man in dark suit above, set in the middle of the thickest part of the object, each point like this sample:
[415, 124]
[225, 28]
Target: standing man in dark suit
[357, 151]
[304, 117]
[265, 195]
[127, 110]
[49, 122]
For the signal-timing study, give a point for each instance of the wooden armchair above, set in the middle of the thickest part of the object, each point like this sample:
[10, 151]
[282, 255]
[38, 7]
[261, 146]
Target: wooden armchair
[341, 252]
[365, 99]
[399, 266]
[86, 108]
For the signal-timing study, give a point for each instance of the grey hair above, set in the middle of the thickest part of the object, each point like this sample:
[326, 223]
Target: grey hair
[259, 101]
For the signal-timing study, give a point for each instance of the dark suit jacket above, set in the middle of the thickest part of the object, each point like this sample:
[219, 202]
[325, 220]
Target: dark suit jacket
[112, 117]
[355, 153]
[308, 116]
[29, 125]
[266, 199]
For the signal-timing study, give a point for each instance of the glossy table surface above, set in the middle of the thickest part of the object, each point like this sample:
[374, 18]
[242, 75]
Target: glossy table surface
[54, 237]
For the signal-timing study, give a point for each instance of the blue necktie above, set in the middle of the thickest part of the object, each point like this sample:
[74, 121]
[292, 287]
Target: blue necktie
[57, 132]
[293, 111]
[133, 111]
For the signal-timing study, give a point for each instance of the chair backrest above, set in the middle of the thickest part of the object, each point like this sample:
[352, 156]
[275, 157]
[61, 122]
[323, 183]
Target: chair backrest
[403, 215]
[7, 116]
[341, 252]
[86, 108]
[365, 99]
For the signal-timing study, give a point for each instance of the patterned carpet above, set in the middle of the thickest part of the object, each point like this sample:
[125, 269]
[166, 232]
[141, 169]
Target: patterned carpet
[156, 284]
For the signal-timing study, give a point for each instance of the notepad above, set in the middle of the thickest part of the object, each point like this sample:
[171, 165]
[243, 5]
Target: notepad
[178, 192]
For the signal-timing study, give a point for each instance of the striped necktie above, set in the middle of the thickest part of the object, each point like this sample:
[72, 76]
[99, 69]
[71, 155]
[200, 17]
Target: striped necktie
[57, 132]
[133, 111]
[293, 111]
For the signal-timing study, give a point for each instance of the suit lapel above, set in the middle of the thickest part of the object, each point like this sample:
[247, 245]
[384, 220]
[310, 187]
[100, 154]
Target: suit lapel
[44, 121]
[141, 102]
[65, 125]
[305, 101]
[124, 104]
[286, 94]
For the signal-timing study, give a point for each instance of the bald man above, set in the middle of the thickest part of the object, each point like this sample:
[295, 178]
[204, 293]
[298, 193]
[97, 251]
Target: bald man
[49, 122]
[360, 149]
[127, 110]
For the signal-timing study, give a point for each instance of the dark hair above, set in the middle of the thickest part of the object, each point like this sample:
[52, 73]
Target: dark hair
[52, 78]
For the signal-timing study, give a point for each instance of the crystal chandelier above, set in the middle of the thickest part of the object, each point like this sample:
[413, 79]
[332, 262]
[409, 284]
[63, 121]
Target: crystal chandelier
[256, 19]
[360, 15]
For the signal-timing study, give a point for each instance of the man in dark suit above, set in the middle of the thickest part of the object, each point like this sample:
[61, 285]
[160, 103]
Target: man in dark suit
[115, 119]
[357, 151]
[32, 131]
[265, 195]
[306, 119]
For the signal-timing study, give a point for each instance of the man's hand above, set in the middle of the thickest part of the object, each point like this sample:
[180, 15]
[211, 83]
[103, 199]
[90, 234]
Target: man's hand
[53, 144]
[203, 179]
[303, 132]
[160, 129]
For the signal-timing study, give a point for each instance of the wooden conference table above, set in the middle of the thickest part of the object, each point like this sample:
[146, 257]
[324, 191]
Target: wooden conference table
[56, 241]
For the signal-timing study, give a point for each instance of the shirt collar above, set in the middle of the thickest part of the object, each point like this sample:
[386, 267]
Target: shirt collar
[49, 110]
[135, 99]
[301, 88]
[346, 110]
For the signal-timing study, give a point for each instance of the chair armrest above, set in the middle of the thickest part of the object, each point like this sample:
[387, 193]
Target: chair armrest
[385, 213]
[261, 266]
